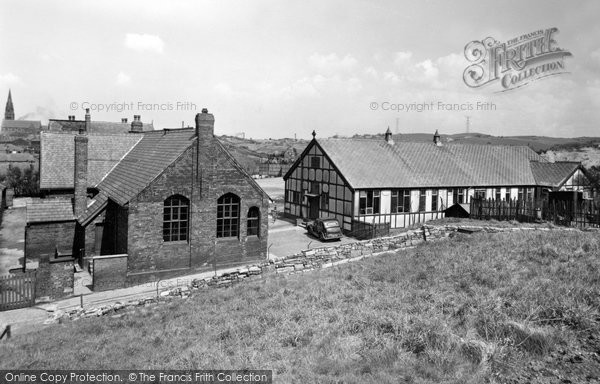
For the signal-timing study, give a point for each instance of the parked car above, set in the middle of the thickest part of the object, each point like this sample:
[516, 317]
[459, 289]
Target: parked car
[325, 229]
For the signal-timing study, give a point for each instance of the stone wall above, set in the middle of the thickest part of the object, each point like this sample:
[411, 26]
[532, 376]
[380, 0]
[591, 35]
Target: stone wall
[311, 259]
[304, 261]
[109, 272]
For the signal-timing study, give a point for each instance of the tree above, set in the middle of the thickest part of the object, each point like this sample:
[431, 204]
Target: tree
[24, 183]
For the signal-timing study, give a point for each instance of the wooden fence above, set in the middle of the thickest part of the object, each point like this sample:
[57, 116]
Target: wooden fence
[482, 209]
[17, 291]
[568, 213]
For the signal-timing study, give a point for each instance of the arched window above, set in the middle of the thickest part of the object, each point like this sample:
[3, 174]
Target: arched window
[175, 218]
[253, 225]
[228, 216]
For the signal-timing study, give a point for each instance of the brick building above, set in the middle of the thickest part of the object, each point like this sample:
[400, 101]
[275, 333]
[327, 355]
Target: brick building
[175, 200]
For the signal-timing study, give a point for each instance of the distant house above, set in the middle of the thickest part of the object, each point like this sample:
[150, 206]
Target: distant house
[17, 160]
[148, 204]
[401, 183]
[99, 127]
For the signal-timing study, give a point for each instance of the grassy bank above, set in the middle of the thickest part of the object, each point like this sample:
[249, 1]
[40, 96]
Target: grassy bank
[480, 308]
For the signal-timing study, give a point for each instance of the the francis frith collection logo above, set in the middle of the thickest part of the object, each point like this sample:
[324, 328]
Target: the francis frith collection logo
[515, 63]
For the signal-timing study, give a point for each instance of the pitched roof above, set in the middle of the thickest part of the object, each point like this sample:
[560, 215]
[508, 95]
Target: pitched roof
[44, 210]
[366, 163]
[100, 127]
[553, 174]
[146, 160]
[21, 124]
[17, 157]
[57, 157]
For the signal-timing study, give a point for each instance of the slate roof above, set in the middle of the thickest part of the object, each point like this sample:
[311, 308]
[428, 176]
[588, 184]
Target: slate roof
[368, 163]
[45, 210]
[57, 157]
[34, 125]
[17, 157]
[100, 127]
[553, 174]
[153, 153]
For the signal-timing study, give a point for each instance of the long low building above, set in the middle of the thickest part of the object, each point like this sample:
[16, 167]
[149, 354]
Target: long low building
[401, 183]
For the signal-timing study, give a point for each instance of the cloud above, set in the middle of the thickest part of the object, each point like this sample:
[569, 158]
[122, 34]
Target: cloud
[10, 78]
[371, 72]
[402, 58]
[331, 63]
[123, 79]
[595, 55]
[144, 42]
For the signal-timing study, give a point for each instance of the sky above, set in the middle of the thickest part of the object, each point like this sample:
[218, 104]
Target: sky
[272, 69]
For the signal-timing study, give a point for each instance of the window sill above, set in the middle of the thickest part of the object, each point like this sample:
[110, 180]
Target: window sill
[178, 242]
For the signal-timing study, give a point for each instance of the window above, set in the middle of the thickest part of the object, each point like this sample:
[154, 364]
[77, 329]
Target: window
[315, 162]
[368, 202]
[325, 201]
[460, 195]
[400, 201]
[520, 194]
[529, 196]
[422, 199]
[479, 193]
[507, 197]
[434, 200]
[175, 218]
[228, 215]
[253, 222]
[498, 194]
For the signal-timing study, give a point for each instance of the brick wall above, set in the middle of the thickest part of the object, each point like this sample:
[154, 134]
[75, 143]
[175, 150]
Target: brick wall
[110, 272]
[43, 238]
[55, 277]
[147, 251]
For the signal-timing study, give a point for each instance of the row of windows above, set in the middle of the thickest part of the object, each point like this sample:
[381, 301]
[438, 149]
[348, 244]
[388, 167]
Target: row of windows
[400, 202]
[176, 218]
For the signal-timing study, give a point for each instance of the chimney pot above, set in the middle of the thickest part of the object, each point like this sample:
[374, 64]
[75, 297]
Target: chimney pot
[136, 125]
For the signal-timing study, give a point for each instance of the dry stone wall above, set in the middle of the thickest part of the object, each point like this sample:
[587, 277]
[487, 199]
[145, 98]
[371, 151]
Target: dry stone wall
[304, 261]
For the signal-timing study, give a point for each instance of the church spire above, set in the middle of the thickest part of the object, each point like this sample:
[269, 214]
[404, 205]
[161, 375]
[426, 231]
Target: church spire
[9, 112]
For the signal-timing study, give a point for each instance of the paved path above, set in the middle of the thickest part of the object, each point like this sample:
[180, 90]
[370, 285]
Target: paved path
[285, 239]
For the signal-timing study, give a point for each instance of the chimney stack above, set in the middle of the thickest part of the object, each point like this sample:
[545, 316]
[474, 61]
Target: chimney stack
[436, 139]
[123, 120]
[388, 137]
[136, 125]
[80, 173]
[205, 126]
[88, 121]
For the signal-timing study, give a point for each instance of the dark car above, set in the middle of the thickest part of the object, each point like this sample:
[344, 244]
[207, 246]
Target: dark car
[325, 229]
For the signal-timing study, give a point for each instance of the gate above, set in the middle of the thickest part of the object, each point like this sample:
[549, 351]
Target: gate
[17, 291]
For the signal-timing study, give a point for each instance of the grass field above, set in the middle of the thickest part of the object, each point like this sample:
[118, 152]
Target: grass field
[486, 308]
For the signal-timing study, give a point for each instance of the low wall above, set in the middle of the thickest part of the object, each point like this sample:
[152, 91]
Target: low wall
[303, 261]
[324, 257]
[55, 277]
[109, 272]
